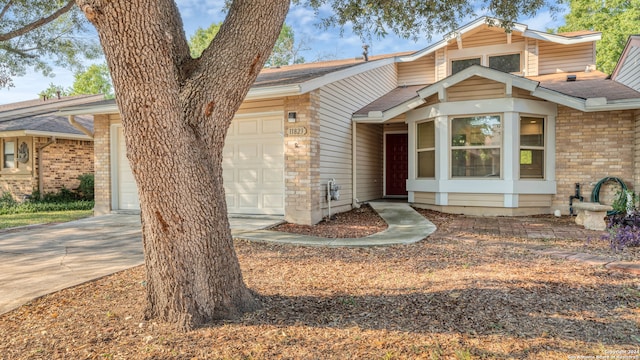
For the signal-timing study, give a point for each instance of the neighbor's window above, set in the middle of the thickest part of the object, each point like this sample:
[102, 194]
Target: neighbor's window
[507, 63]
[8, 153]
[475, 146]
[459, 65]
[426, 144]
[531, 147]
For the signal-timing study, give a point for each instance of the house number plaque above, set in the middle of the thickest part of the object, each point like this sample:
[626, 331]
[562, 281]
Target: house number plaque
[297, 131]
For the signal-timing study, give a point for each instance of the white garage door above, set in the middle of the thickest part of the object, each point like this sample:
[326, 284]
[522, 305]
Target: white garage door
[253, 167]
[127, 190]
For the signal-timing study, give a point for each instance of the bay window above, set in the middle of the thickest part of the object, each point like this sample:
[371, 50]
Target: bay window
[475, 146]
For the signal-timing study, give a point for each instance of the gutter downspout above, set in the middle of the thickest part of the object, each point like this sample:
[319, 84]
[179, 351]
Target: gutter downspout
[40, 169]
[77, 125]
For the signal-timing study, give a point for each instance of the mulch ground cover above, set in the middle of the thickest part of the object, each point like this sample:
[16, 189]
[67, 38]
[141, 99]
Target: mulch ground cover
[462, 293]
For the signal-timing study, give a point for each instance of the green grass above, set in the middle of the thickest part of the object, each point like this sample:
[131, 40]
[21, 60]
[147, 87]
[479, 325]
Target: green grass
[13, 220]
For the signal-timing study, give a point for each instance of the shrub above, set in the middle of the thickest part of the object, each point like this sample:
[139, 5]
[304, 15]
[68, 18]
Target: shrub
[37, 206]
[7, 200]
[623, 230]
[86, 187]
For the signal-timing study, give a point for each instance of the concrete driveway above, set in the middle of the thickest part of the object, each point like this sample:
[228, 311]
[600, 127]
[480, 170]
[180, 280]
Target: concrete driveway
[38, 260]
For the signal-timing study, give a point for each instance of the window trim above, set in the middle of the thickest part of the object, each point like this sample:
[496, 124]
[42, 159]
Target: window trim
[481, 57]
[544, 146]
[431, 149]
[484, 60]
[521, 66]
[4, 161]
[474, 147]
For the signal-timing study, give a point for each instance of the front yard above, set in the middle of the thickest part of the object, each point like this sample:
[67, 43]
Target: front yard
[459, 294]
[48, 217]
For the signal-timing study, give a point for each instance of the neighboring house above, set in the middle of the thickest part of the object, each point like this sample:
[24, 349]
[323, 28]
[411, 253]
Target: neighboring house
[483, 122]
[42, 150]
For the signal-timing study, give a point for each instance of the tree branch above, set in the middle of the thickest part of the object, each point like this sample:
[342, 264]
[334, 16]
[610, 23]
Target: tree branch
[5, 9]
[38, 23]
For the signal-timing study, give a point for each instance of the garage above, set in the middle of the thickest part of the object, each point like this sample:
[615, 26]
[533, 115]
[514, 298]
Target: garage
[253, 167]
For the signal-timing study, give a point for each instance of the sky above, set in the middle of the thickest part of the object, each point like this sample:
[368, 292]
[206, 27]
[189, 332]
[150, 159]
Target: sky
[323, 44]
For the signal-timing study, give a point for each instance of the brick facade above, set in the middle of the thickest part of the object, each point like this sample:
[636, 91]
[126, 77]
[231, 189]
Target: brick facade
[62, 161]
[102, 165]
[302, 161]
[636, 158]
[592, 146]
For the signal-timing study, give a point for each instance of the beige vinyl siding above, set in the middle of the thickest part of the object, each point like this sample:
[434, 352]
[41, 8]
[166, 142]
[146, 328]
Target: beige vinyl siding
[396, 127]
[441, 64]
[369, 164]
[629, 74]
[476, 88]
[480, 200]
[531, 57]
[523, 94]
[424, 198]
[419, 72]
[529, 200]
[338, 101]
[555, 58]
[260, 106]
[485, 37]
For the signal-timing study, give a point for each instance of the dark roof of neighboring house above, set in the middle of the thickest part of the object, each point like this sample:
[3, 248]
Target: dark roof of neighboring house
[591, 84]
[42, 115]
[391, 99]
[48, 123]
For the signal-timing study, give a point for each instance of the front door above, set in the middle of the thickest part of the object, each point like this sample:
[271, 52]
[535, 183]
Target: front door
[396, 164]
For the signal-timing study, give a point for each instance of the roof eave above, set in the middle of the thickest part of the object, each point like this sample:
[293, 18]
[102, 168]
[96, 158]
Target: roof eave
[57, 135]
[273, 91]
[586, 105]
[90, 110]
[539, 35]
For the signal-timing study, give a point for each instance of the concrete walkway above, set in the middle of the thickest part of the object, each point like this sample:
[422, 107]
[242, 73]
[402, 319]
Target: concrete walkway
[406, 226]
[37, 260]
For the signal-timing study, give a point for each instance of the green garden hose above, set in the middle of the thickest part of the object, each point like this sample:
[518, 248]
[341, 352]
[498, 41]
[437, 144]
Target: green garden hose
[595, 194]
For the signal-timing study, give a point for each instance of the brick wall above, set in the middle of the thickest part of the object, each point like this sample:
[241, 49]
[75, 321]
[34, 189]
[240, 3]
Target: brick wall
[636, 158]
[302, 161]
[63, 161]
[591, 146]
[102, 164]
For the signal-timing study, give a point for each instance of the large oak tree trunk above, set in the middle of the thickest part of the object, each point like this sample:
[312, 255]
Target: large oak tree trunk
[175, 113]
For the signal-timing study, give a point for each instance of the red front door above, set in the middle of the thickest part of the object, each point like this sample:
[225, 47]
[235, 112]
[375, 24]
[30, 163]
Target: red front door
[396, 164]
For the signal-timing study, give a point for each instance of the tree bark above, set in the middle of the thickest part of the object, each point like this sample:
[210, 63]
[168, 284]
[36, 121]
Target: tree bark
[175, 114]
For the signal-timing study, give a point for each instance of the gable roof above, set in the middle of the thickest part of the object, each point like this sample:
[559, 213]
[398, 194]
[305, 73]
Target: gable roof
[627, 70]
[575, 37]
[41, 118]
[584, 94]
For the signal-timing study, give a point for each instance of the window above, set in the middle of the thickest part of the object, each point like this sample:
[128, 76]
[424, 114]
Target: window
[531, 147]
[475, 146]
[507, 63]
[459, 65]
[9, 150]
[426, 150]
